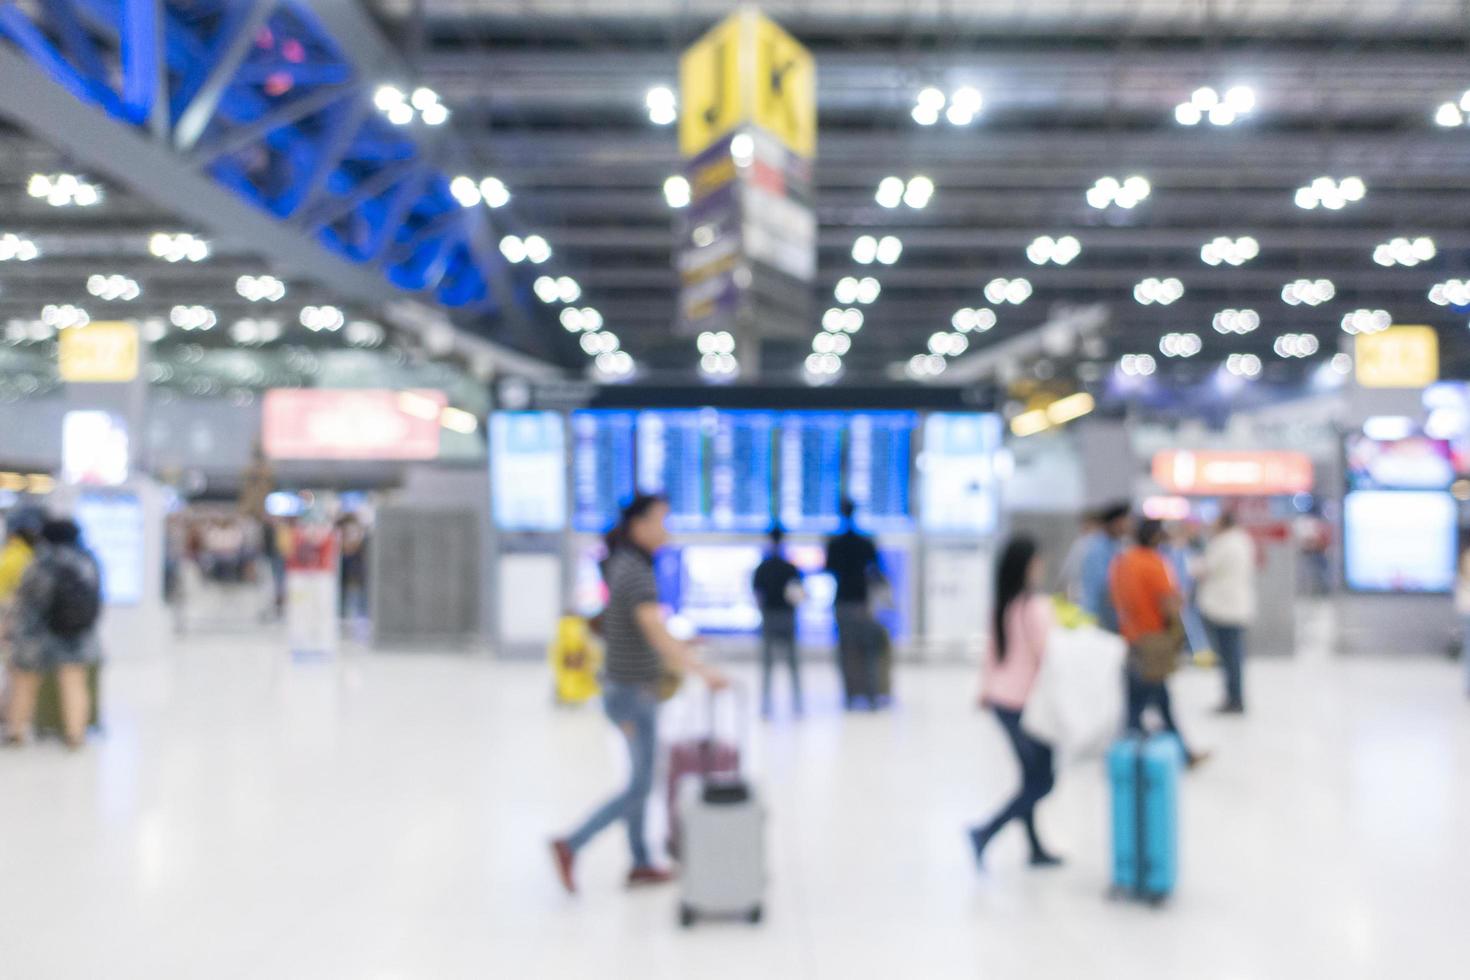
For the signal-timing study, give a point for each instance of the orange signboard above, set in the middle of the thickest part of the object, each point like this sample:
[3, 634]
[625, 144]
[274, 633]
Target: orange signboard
[1232, 474]
[366, 424]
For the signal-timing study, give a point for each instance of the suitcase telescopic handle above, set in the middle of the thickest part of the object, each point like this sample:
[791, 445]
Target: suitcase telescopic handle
[736, 694]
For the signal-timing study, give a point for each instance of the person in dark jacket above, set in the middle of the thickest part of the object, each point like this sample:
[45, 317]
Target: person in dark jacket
[777, 587]
[852, 561]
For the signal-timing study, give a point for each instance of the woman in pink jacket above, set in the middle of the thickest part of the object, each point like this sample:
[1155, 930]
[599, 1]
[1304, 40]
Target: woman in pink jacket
[1022, 620]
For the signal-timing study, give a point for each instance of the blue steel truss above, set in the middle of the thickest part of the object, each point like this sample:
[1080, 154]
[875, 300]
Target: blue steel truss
[258, 95]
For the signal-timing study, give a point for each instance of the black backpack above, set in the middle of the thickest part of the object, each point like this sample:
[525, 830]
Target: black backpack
[76, 597]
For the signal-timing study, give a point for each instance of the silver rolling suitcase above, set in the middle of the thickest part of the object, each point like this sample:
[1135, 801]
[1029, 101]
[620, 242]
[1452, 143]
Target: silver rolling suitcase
[723, 847]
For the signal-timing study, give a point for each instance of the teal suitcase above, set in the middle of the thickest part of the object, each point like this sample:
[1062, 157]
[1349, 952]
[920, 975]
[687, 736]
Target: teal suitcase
[1144, 774]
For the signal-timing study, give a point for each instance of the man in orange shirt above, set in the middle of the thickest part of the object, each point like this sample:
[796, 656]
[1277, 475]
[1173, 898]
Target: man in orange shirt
[1146, 598]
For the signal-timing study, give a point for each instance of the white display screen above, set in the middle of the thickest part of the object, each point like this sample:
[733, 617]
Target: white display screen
[94, 448]
[112, 529]
[957, 476]
[1400, 541]
[528, 471]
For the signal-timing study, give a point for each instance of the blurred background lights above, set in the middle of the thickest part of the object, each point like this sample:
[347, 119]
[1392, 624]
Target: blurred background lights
[1161, 291]
[1309, 292]
[1450, 114]
[1137, 365]
[14, 248]
[1046, 249]
[1013, 291]
[676, 191]
[662, 105]
[177, 248]
[1180, 344]
[64, 190]
[1451, 292]
[1126, 194]
[1236, 321]
[1366, 321]
[1331, 194]
[959, 108]
[1230, 251]
[1206, 103]
[1243, 365]
[113, 288]
[1405, 251]
[1296, 345]
[975, 320]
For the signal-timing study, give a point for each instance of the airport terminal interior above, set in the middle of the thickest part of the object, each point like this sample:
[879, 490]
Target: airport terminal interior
[802, 489]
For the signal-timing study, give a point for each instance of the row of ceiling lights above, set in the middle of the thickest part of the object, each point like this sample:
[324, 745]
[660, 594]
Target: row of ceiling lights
[64, 190]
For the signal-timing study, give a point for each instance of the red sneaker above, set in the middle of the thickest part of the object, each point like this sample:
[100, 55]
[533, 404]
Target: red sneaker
[562, 854]
[649, 876]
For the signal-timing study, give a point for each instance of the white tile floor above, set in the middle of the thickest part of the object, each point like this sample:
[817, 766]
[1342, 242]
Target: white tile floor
[383, 818]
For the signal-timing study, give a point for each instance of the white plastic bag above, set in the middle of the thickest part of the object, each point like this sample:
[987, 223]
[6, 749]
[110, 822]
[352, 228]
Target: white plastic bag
[1077, 704]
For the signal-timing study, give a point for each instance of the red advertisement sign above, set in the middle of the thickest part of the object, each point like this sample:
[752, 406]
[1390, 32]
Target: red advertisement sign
[359, 424]
[1232, 474]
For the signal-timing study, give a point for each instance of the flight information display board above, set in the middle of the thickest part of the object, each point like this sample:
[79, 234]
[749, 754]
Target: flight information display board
[811, 469]
[737, 470]
[958, 485]
[527, 475]
[740, 470]
[878, 463]
[671, 462]
[602, 467]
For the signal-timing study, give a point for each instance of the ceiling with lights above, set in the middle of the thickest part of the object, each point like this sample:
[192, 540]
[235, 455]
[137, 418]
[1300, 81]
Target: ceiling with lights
[1250, 189]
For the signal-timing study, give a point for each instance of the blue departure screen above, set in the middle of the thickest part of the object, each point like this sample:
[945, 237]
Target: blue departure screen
[740, 471]
[811, 469]
[602, 467]
[878, 465]
[671, 462]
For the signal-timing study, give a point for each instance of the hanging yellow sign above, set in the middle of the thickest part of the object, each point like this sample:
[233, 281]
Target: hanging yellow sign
[1399, 357]
[102, 352]
[746, 69]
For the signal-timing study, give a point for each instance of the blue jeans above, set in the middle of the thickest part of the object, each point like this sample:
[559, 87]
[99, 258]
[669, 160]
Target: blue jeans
[1037, 777]
[778, 639]
[634, 709]
[1229, 643]
[1141, 694]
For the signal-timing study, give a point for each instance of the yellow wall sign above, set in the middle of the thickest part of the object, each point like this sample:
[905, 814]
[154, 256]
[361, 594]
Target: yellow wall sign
[98, 352]
[747, 70]
[1399, 357]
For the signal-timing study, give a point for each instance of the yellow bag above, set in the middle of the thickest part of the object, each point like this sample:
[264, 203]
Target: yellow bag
[575, 660]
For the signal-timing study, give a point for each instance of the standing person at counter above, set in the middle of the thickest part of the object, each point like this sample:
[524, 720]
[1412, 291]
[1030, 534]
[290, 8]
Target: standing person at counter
[853, 563]
[639, 652]
[1227, 600]
[1097, 565]
[1148, 603]
[778, 591]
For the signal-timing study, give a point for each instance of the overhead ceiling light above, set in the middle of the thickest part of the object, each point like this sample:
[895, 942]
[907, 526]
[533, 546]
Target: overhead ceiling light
[1331, 194]
[198, 317]
[889, 249]
[177, 248]
[14, 248]
[1137, 365]
[64, 316]
[823, 365]
[545, 289]
[319, 318]
[614, 365]
[1161, 291]
[837, 320]
[742, 149]
[676, 191]
[970, 320]
[1311, 292]
[1206, 103]
[868, 289]
[719, 365]
[494, 192]
[928, 106]
[948, 344]
[1237, 321]
[1452, 114]
[1451, 292]
[465, 191]
[64, 190]
[924, 366]
[259, 289]
[571, 319]
[1298, 345]
[513, 249]
[890, 192]
[715, 342]
[1013, 291]
[1126, 194]
[1231, 251]
[1058, 250]
[567, 289]
[917, 192]
[865, 250]
[964, 105]
[1366, 321]
[591, 318]
[1180, 344]
[1402, 251]
[662, 104]
[401, 109]
[113, 288]
[1243, 365]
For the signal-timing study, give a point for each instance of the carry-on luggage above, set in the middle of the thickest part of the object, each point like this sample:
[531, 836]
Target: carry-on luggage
[1144, 772]
[854, 671]
[698, 757]
[721, 841]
